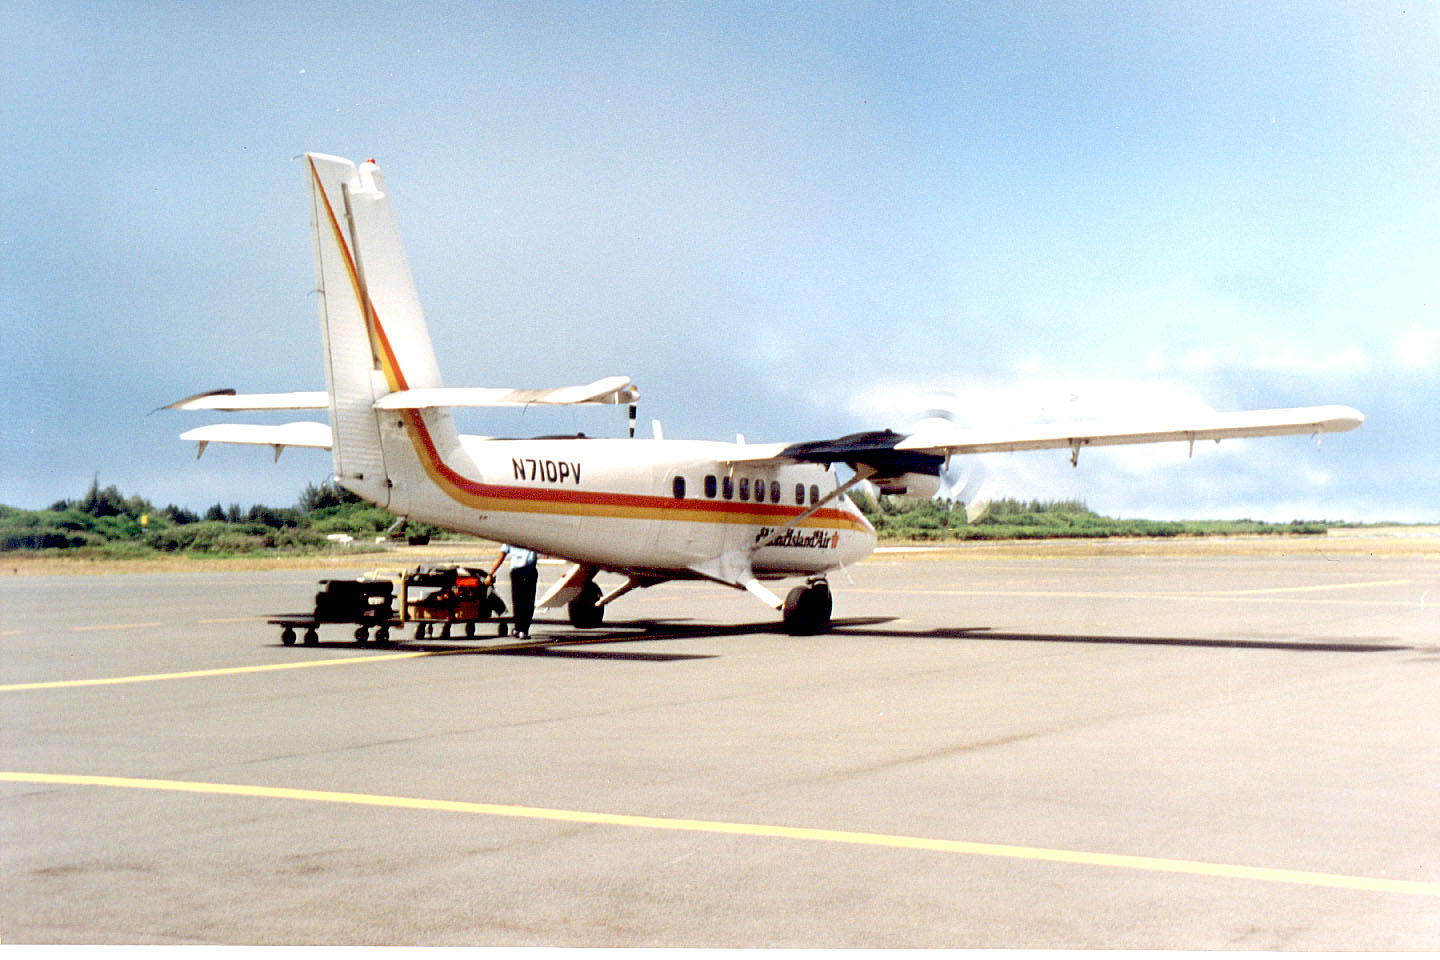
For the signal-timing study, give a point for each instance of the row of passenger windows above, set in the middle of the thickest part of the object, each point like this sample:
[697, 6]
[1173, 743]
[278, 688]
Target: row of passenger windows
[728, 488]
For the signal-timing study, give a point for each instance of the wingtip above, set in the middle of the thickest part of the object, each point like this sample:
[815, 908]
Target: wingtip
[181, 404]
[1345, 418]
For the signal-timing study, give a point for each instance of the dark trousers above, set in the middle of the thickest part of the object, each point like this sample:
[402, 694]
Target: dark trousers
[522, 596]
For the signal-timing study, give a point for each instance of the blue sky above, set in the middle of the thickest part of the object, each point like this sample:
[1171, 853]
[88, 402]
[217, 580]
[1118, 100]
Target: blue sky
[791, 221]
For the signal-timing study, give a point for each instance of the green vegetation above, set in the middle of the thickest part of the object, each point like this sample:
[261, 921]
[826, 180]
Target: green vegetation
[105, 523]
[898, 518]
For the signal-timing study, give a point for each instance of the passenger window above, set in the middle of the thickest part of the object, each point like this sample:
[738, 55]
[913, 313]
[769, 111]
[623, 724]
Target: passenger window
[710, 485]
[744, 488]
[799, 494]
[759, 490]
[814, 494]
[774, 491]
[679, 488]
[727, 488]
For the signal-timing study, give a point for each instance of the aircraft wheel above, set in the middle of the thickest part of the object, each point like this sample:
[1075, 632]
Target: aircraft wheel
[807, 609]
[287, 637]
[585, 610]
[312, 637]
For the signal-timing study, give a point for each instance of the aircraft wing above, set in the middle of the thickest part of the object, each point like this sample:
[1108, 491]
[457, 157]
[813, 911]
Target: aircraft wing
[947, 440]
[896, 462]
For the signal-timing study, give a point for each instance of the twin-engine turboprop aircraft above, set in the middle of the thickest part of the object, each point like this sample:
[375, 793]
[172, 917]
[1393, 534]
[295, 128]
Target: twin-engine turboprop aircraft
[650, 510]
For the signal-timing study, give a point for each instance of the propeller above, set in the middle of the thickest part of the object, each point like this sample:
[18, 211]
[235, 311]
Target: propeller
[961, 478]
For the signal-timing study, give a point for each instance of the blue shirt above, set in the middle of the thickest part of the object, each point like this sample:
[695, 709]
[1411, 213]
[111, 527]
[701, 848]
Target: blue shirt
[520, 558]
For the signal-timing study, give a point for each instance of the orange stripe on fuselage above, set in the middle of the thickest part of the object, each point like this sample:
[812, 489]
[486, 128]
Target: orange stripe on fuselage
[485, 496]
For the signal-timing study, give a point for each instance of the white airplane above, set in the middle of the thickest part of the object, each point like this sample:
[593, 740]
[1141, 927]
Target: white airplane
[651, 510]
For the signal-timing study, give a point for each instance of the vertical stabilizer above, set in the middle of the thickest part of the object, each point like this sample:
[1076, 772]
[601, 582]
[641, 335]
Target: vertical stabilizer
[373, 332]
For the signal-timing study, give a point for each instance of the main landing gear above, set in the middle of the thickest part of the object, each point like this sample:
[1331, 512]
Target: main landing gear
[807, 609]
[585, 611]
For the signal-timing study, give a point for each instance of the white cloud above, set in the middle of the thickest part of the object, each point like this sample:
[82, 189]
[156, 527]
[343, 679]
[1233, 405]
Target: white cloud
[1418, 348]
[1322, 360]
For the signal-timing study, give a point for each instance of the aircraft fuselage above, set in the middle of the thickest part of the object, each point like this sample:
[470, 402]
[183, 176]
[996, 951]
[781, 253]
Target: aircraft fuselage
[644, 506]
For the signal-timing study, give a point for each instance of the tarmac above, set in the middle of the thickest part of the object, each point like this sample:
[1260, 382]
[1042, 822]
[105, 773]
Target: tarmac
[1027, 747]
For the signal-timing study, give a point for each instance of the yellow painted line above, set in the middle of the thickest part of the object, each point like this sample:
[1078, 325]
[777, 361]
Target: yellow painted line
[302, 664]
[219, 671]
[893, 841]
[1236, 596]
[1315, 588]
[116, 626]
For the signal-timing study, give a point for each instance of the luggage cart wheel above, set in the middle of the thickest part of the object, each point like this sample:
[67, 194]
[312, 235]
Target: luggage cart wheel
[287, 637]
[361, 635]
[382, 635]
[312, 637]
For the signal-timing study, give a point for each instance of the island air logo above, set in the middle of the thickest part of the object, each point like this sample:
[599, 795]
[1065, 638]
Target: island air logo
[793, 537]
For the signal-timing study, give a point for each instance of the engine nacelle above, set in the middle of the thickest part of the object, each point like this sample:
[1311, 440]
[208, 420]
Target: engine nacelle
[916, 486]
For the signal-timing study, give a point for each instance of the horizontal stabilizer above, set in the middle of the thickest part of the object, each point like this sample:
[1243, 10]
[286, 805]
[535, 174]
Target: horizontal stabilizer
[229, 400]
[611, 390]
[302, 433]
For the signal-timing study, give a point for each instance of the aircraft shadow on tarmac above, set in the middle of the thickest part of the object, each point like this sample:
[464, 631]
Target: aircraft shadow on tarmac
[580, 645]
[1318, 645]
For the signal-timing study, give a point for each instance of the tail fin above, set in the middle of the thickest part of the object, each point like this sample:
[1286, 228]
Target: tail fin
[374, 334]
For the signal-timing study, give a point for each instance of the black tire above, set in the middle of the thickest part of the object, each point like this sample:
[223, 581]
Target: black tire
[287, 637]
[470, 630]
[807, 610]
[382, 635]
[312, 637]
[585, 610]
[362, 635]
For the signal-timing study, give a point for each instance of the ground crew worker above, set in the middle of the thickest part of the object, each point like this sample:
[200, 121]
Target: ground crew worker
[522, 584]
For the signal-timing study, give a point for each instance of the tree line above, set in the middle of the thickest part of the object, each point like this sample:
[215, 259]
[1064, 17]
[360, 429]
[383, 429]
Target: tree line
[900, 518]
[105, 522]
